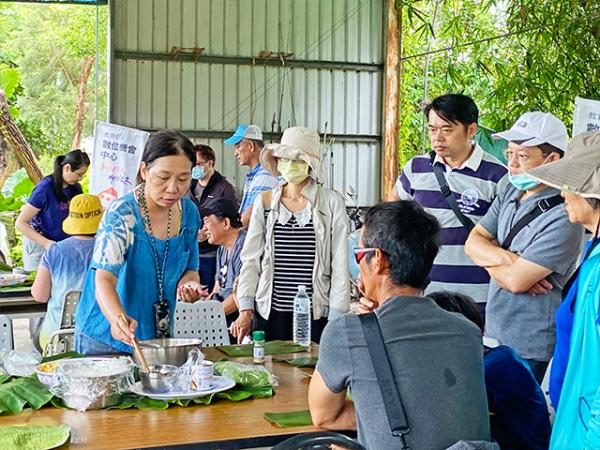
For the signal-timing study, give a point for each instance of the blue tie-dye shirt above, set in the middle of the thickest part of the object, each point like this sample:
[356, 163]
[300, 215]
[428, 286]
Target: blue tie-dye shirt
[67, 261]
[123, 248]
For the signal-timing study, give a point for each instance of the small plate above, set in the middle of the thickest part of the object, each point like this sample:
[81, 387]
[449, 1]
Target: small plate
[220, 384]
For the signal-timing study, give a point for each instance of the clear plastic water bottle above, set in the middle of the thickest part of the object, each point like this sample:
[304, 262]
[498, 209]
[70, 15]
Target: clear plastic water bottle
[302, 317]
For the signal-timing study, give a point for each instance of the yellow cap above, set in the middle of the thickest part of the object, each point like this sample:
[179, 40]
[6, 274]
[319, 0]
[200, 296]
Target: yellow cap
[85, 212]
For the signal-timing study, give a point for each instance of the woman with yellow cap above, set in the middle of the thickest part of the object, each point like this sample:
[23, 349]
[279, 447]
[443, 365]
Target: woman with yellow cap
[63, 266]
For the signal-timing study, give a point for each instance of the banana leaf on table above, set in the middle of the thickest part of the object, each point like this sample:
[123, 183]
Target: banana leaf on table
[289, 419]
[33, 437]
[271, 348]
[307, 361]
[21, 392]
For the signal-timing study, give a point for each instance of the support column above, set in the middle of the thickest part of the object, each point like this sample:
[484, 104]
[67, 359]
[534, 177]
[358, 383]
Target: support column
[393, 71]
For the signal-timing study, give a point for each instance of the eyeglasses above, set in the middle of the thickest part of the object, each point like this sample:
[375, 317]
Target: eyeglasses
[521, 157]
[360, 252]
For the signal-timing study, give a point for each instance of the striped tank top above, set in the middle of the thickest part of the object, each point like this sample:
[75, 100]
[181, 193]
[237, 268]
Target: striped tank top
[294, 256]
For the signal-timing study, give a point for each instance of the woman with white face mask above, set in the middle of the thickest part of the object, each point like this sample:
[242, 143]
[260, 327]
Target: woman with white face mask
[296, 236]
[207, 185]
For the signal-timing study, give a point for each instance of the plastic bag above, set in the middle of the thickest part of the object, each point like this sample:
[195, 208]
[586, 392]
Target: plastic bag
[246, 375]
[186, 371]
[21, 363]
[92, 383]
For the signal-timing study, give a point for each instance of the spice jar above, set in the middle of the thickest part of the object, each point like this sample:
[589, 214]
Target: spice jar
[258, 352]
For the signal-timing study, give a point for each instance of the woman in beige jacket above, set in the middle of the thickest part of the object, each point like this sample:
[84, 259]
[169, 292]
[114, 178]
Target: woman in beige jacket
[297, 236]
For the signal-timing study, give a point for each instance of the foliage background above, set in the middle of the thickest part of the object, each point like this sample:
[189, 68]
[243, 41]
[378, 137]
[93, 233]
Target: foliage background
[511, 56]
[42, 48]
[45, 45]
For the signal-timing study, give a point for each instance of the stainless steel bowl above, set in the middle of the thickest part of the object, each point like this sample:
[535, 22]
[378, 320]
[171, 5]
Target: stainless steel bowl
[160, 379]
[87, 390]
[167, 351]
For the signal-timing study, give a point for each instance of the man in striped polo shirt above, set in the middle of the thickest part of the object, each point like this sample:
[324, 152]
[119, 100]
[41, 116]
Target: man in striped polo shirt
[472, 176]
[247, 141]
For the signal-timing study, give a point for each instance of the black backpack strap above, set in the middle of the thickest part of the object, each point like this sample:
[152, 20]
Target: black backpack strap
[385, 377]
[543, 205]
[438, 170]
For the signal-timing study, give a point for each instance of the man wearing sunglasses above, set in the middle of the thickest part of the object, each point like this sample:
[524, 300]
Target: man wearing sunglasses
[528, 264]
[436, 356]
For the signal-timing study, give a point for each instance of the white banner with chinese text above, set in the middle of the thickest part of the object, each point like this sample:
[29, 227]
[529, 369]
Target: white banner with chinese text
[115, 160]
[586, 116]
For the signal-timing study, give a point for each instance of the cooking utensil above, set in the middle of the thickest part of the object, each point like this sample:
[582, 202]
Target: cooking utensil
[159, 379]
[92, 383]
[171, 351]
[139, 356]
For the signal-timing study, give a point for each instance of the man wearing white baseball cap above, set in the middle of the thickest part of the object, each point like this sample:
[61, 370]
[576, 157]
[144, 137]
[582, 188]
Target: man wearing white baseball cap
[527, 244]
[248, 142]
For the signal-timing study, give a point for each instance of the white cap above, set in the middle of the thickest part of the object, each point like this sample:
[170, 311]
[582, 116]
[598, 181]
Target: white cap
[535, 128]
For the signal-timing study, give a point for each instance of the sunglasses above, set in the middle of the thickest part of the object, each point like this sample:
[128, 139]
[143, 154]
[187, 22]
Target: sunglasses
[360, 252]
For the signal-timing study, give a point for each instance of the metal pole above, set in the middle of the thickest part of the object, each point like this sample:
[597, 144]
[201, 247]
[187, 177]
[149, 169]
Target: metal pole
[97, 56]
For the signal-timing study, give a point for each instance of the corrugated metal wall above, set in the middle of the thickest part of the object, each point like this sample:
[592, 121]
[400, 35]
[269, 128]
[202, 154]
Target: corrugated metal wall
[329, 77]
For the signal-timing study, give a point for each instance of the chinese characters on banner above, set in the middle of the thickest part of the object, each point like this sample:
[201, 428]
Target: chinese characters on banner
[586, 116]
[115, 161]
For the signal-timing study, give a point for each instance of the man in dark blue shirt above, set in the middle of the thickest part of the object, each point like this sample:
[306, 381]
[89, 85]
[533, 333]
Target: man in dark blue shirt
[519, 417]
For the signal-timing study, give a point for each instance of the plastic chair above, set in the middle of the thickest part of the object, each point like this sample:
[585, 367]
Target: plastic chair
[62, 340]
[546, 390]
[318, 441]
[6, 334]
[204, 320]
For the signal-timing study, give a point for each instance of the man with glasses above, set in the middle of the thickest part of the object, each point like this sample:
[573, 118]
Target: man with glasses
[207, 185]
[527, 244]
[436, 356]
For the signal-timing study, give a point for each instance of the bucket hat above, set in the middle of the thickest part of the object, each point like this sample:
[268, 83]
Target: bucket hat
[536, 128]
[85, 212]
[297, 144]
[578, 171]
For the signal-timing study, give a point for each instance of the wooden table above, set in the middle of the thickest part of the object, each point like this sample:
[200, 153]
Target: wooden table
[221, 425]
[21, 305]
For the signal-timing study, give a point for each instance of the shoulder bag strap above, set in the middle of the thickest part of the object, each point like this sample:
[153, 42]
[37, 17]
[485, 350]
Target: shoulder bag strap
[438, 170]
[543, 205]
[385, 377]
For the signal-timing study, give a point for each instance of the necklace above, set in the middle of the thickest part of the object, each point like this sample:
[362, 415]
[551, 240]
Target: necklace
[160, 271]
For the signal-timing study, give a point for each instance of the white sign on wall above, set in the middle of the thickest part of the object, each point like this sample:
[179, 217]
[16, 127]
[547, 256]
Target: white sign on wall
[586, 116]
[115, 160]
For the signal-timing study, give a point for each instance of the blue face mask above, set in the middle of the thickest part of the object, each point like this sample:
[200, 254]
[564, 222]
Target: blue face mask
[198, 172]
[522, 181]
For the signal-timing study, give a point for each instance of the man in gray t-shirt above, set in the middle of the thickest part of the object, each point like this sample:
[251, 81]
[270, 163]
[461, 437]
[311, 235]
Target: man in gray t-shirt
[527, 275]
[436, 356]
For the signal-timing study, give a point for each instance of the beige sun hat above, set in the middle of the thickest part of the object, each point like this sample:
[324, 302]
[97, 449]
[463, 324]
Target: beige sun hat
[297, 144]
[578, 171]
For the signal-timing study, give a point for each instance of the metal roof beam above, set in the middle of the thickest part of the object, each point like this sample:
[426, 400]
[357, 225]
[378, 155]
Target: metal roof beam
[244, 61]
[268, 136]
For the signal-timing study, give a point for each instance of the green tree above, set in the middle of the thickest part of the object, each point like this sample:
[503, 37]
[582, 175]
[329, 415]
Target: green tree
[511, 57]
[48, 43]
